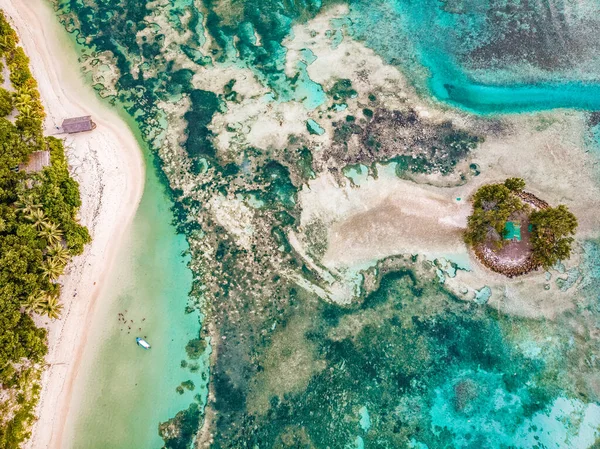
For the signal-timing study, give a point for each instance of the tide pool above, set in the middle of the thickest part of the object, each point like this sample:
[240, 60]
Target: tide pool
[123, 392]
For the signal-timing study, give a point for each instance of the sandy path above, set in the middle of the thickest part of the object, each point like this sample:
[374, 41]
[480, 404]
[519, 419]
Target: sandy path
[109, 167]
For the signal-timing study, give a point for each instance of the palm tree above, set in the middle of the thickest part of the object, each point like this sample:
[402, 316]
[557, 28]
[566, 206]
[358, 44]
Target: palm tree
[35, 302]
[26, 205]
[52, 269]
[59, 253]
[27, 111]
[27, 89]
[23, 100]
[5, 42]
[51, 307]
[38, 218]
[51, 233]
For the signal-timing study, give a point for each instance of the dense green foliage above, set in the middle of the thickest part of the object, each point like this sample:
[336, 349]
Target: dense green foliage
[514, 184]
[6, 102]
[492, 205]
[38, 234]
[552, 229]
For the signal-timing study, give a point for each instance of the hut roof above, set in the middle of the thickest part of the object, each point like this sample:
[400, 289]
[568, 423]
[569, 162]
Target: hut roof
[36, 162]
[78, 124]
[512, 230]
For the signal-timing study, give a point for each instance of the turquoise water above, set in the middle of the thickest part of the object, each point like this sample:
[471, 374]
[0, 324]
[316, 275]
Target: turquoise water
[124, 392]
[493, 420]
[444, 47]
[483, 98]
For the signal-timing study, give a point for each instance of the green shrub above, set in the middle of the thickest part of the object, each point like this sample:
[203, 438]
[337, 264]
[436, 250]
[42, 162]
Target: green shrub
[6, 103]
[551, 239]
[492, 206]
[514, 184]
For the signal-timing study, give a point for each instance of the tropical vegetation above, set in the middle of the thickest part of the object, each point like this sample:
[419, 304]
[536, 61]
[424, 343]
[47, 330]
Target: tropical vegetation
[551, 228]
[38, 234]
[552, 234]
[493, 204]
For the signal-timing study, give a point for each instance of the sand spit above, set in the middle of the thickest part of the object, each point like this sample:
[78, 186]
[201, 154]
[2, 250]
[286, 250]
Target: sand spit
[384, 217]
[108, 165]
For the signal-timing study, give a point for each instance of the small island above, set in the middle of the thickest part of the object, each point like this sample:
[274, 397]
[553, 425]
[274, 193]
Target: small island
[513, 232]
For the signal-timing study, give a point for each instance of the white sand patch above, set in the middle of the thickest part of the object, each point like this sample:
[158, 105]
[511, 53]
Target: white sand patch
[383, 217]
[235, 216]
[349, 59]
[339, 285]
[274, 129]
[260, 123]
[257, 120]
[214, 79]
[170, 145]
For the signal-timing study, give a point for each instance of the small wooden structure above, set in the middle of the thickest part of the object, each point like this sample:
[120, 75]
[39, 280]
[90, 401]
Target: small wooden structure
[36, 162]
[78, 124]
[512, 231]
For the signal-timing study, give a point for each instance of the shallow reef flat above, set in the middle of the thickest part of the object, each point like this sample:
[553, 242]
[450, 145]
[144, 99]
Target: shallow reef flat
[324, 193]
[490, 56]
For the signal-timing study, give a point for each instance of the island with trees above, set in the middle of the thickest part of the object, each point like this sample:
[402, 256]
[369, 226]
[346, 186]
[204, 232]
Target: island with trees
[513, 232]
[38, 235]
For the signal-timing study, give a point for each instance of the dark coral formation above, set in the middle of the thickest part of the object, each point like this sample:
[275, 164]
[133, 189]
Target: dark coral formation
[417, 144]
[540, 35]
[391, 352]
[180, 430]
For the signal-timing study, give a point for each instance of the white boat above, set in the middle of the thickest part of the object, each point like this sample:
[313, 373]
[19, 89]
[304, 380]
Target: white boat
[143, 343]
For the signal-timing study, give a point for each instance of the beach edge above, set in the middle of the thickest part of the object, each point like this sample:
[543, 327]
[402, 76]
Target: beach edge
[109, 166]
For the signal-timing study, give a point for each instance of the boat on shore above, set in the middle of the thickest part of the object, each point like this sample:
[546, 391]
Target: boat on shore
[143, 343]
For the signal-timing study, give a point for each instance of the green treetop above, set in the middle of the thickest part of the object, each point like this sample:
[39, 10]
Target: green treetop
[551, 228]
[39, 233]
[492, 206]
[551, 235]
[514, 184]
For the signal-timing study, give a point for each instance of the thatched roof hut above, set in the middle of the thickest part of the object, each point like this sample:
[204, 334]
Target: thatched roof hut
[512, 231]
[36, 162]
[78, 124]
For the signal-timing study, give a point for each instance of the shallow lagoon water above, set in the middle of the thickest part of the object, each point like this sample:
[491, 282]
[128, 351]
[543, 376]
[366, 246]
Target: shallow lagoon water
[124, 391]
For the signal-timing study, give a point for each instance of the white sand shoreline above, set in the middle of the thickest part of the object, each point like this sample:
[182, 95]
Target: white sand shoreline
[109, 167]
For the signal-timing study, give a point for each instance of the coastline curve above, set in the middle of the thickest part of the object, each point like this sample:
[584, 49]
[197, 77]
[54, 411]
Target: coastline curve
[109, 167]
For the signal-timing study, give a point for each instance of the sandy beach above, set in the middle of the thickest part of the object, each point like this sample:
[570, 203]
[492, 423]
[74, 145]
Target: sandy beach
[109, 167]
